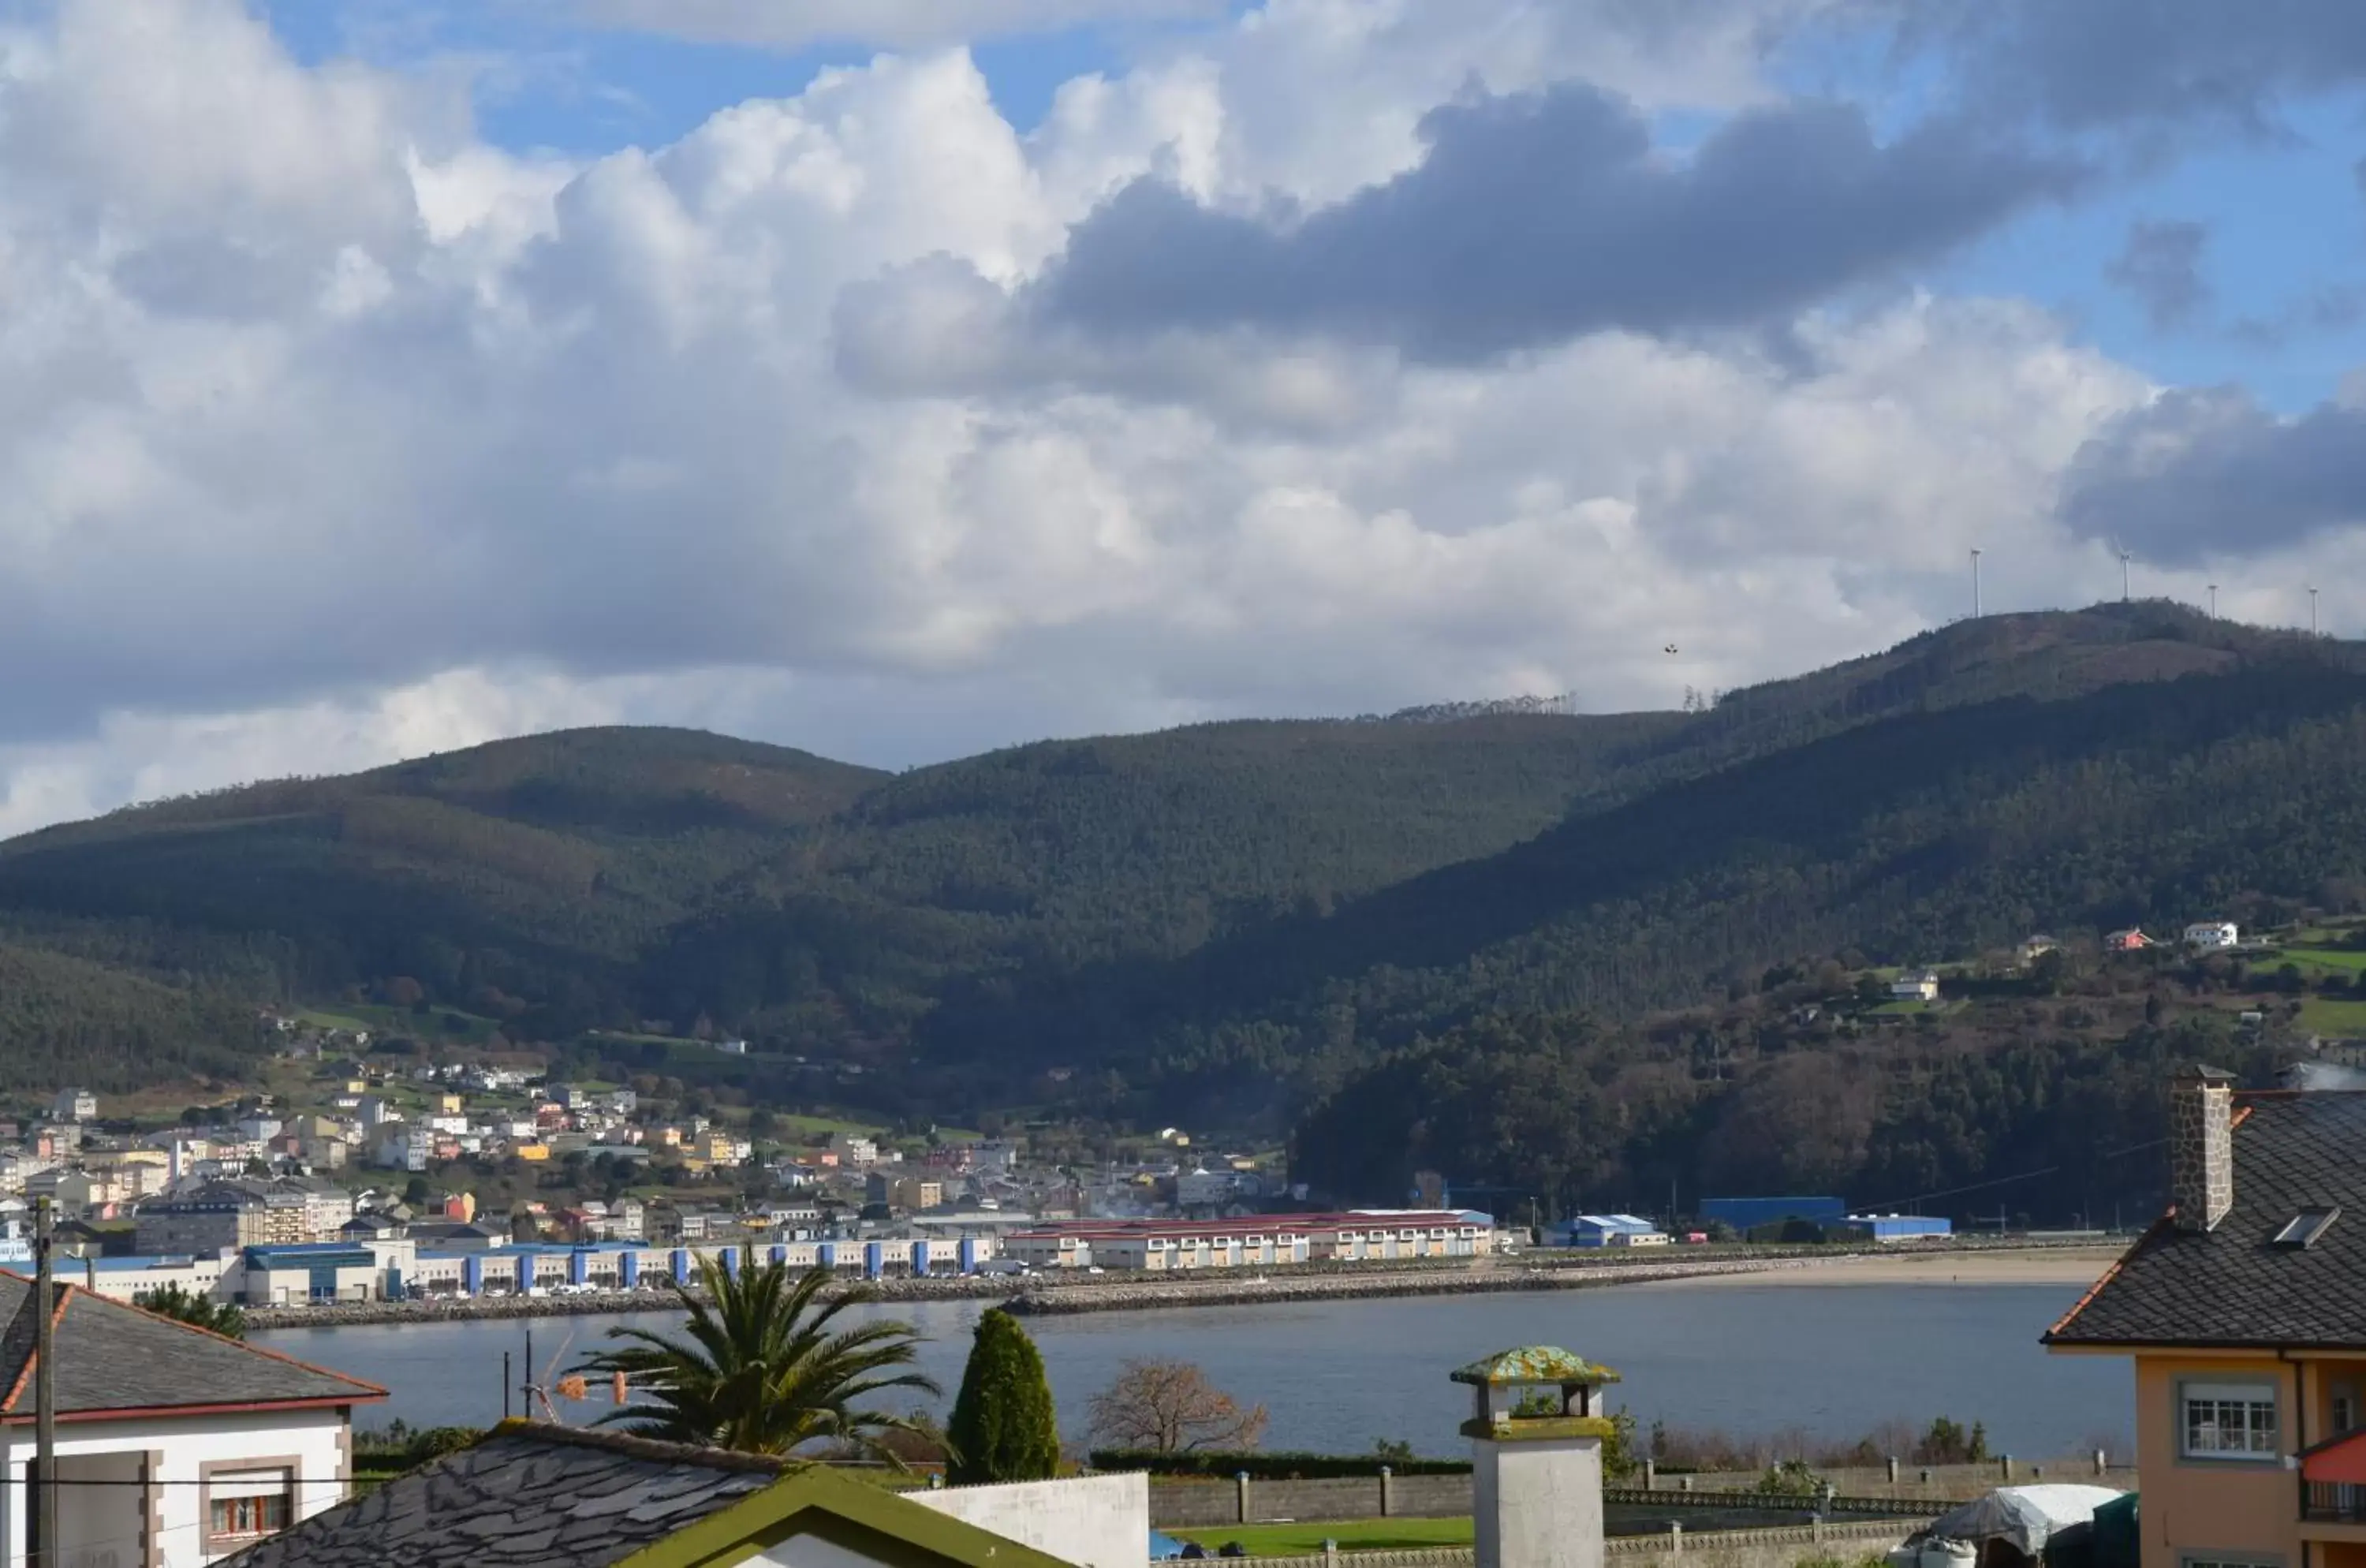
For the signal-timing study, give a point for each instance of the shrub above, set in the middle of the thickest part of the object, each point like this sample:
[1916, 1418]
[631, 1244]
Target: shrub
[1003, 1427]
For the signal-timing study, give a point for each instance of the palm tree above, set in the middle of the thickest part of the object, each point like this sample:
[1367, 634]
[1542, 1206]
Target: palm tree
[762, 1367]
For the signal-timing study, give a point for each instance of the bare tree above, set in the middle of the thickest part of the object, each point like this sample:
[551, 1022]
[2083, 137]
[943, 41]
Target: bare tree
[1170, 1407]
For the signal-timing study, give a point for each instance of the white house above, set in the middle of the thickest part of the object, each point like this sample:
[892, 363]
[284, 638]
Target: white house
[176, 1447]
[2212, 934]
[1920, 986]
[75, 1105]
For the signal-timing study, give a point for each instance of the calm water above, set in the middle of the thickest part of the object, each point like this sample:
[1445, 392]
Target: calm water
[1834, 1360]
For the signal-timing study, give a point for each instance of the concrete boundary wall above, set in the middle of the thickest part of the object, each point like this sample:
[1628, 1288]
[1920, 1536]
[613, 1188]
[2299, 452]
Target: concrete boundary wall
[1201, 1505]
[1782, 1547]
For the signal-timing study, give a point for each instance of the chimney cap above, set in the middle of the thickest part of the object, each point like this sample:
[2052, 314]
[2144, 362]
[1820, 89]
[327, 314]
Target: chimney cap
[1534, 1364]
[2202, 1072]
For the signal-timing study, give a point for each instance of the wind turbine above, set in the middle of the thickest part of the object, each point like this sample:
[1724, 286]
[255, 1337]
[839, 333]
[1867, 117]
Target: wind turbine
[2214, 600]
[2311, 612]
[1976, 582]
[2122, 551]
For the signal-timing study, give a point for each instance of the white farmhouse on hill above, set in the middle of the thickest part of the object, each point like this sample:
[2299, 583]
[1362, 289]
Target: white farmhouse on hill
[1915, 985]
[176, 1447]
[2212, 934]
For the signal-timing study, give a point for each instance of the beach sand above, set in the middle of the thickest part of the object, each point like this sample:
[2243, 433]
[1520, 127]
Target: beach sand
[2051, 1265]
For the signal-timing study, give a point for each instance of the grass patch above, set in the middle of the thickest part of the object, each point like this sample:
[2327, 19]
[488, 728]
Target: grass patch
[1353, 1535]
[2325, 1016]
[2331, 960]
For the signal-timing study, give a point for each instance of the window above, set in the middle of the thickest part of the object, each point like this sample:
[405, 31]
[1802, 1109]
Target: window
[244, 1504]
[2303, 1228]
[250, 1516]
[2229, 1421]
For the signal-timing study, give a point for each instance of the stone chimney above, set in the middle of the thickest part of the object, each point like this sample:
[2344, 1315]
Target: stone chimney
[2202, 1146]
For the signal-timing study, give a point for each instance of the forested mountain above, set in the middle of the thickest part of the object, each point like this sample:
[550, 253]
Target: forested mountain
[1232, 919]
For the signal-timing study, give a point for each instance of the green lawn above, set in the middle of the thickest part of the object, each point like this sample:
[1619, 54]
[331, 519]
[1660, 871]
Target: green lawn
[2325, 1016]
[1353, 1535]
[389, 1021]
[2335, 960]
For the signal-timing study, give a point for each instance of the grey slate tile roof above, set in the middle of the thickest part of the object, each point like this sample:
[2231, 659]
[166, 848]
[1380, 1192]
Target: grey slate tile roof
[537, 1497]
[112, 1357]
[2231, 1286]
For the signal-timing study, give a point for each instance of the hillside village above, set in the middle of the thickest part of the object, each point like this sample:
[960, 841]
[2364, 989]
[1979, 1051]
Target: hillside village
[364, 1173]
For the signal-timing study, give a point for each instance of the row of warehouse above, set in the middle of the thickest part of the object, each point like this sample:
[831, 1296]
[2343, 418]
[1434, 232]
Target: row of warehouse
[392, 1269]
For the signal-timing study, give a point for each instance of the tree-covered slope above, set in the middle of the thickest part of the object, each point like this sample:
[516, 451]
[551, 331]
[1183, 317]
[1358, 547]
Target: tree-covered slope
[539, 868]
[1912, 837]
[1234, 915]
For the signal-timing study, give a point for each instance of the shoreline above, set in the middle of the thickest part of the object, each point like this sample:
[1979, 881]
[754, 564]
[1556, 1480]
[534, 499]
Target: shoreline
[1991, 1263]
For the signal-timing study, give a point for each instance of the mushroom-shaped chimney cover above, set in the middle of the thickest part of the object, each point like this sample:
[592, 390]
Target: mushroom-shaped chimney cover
[1534, 1364]
[1570, 1412]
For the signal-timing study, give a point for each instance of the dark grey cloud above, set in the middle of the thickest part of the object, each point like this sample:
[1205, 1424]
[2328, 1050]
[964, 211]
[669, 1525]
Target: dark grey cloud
[2198, 475]
[2086, 63]
[2160, 265]
[1538, 218]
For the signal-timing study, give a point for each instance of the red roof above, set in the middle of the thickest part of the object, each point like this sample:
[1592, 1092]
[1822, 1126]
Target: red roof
[1253, 1224]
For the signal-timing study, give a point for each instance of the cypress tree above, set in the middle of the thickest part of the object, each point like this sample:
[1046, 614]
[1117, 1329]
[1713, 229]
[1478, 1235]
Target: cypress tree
[1003, 1427]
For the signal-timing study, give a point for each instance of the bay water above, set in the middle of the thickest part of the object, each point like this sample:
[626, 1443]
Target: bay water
[1830, 1361]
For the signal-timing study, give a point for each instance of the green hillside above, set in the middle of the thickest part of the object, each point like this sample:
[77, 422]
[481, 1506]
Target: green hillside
[537, 869]
[1232, 919]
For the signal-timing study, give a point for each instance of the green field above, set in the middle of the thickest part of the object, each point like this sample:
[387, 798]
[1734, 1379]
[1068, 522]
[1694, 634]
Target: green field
[2331, 960]
[2324, 1016]
[384, 1022]
[1353, 1535]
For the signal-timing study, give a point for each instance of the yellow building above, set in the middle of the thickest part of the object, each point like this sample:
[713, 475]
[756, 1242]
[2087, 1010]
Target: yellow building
[2243, 1310]
[536, 1152]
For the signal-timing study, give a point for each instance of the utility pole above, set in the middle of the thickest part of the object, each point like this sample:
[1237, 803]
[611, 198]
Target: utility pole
[1975, 584]
[45, 1392]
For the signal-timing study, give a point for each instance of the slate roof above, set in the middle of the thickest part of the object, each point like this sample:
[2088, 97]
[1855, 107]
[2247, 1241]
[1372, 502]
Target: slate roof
[117, 1357]
[2232, 1286]
[525, 1497]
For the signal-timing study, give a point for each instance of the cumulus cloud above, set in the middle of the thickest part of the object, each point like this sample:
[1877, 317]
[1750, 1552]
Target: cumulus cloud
[891, 24]
[1538, 217]
[2159, 265]
[333, 433]
[2200, 475]
[2100, 63]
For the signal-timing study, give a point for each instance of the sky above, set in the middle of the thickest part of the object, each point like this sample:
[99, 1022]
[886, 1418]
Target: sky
[900, 378]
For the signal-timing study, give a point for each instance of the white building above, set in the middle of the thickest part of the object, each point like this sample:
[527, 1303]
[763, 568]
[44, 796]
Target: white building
[1919, 986]
[75, 1105]
[1204, 1189]
[176, 1448]
[2212, 934]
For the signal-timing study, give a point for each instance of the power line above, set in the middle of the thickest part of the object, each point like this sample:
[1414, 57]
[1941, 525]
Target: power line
[2008, 1180]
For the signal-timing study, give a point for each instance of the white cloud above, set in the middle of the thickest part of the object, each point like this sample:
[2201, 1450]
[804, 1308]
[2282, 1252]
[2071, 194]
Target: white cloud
[333, 435]
[890, 24]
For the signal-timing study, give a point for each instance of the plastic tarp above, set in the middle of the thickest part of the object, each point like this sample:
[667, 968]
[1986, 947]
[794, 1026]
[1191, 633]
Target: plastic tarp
[2022, 1517]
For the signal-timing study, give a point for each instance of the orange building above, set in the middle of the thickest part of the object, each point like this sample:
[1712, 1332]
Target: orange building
[2245, 1311]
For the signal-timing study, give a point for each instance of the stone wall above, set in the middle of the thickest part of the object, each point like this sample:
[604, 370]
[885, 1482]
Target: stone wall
[1779, 1548]
[1947, 1482]
[1193, 1505]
